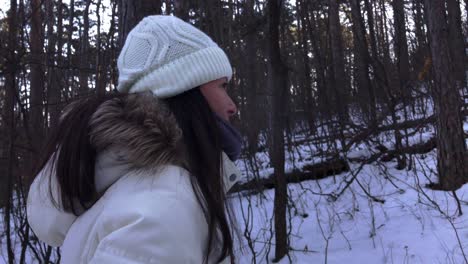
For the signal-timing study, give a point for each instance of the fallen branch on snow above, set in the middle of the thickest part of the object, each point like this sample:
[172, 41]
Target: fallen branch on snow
[308, 172]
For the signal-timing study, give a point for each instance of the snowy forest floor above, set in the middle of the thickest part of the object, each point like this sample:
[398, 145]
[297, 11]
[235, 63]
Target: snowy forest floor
[384, 216]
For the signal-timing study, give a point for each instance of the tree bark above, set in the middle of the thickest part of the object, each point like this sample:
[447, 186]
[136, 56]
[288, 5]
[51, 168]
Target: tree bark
[277, 81]
[372, 39]
[9, 110]
[340, 84]
[309, 172]
[111, 50]
[319, 63]
[303, 32]
[456, 42]
[421, 52]
[53, 90]
[100, 57]
[403, 69]
[131, 12]
[383, 72]
[84, 52]
[55, 112]
[451, 148]
[70, 73]
[384, 40]
[168, 6]
[253, 128]
[214, 12]
[37, 75]
[181, 9]
[401, 47]
[361, 54]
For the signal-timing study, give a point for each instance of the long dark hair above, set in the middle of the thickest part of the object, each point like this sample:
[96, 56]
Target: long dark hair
[73, 159]
[203, 147]
[70, 155]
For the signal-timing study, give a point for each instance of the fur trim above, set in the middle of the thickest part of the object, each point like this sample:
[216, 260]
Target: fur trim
[142, 126]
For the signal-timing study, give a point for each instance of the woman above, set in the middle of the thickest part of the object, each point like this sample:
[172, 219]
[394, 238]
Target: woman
[141, 176]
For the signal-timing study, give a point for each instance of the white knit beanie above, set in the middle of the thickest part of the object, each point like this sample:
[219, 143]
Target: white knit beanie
[167, 56]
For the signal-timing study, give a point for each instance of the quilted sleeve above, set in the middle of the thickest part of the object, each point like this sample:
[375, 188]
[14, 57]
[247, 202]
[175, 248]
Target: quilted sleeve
[49, 223]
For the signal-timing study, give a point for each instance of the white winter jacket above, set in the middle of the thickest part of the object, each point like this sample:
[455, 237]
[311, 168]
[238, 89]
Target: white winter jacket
[146, 214]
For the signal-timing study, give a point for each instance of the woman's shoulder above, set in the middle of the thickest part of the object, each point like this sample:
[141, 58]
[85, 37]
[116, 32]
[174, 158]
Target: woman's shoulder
[143, 186]
[163, 198]
[156, 209]
[151, 193]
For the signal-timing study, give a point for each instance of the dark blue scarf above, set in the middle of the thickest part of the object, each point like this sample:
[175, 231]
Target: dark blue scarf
[231, 139]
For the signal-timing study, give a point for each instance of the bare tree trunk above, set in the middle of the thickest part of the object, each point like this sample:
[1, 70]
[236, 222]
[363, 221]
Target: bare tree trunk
[37, 75]
[421, 52]
[53, 90]
[401, 47]
[372, 39]
[338, 64]
[112, 48]
[98, 49]
[55, 111]
[339, 83]
[451, 149]
[456, 42]
[383, 72]
[168, 6]
[70, 73]
[133, 11]
[277, 81]
[403, 68]
[214, 12]
[308, 100]
[84, 50]
[181, 9]
[362, 61]
[253, 128]
[324, 99]
[384, 46]
[10, 85]
[100, 57]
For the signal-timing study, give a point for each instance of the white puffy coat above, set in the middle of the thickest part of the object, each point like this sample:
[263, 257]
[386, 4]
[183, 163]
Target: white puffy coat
[145, 215]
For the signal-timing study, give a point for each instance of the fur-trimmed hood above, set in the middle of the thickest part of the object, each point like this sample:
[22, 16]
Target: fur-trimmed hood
[132, 132]
[141, 125]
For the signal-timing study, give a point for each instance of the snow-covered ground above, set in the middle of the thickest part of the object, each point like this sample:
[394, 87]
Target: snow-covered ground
[384, 216]
[413, 225]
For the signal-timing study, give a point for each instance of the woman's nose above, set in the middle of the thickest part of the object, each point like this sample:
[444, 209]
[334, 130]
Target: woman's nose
[232, 109]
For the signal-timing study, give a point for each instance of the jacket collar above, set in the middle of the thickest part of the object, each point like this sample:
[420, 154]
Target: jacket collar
[110, 167]
[231, 174]
[139, 132]
[133, 132]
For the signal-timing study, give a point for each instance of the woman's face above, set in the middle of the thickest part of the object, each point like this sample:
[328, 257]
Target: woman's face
[216, 95]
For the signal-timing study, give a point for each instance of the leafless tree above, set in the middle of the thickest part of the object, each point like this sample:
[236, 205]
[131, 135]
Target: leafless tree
[451, 148]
